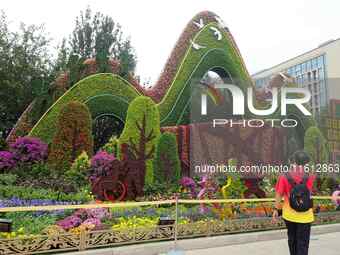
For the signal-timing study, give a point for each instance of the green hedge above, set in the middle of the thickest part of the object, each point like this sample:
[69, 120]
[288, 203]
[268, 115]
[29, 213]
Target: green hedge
[90, 91]
[166, 164]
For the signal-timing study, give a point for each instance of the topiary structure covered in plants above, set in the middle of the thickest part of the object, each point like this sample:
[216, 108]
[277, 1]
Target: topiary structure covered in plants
[110, 94]
[205, 44]
[140, 134]
[166, 164]
[73, 136]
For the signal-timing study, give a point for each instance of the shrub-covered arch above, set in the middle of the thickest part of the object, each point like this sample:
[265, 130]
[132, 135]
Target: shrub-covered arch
[102, 93]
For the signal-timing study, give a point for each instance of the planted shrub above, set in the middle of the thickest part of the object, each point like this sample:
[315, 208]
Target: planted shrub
[8, 179]
[28, 150]
[111, 146]
[166, 165]
[73, 136]
[78, 173]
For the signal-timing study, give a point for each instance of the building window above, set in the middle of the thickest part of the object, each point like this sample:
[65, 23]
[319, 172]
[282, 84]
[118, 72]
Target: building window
[314, 63]
[320, 61]
[314, 75]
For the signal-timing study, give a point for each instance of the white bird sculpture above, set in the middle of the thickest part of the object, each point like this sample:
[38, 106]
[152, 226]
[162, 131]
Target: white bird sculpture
[217, 33]
[199, 24]
[220, 22]
[196, 46]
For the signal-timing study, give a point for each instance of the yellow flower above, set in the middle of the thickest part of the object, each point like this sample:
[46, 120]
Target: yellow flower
[21, 230]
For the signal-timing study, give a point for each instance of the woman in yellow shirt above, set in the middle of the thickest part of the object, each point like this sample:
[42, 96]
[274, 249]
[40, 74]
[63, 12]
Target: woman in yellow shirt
[298, 223]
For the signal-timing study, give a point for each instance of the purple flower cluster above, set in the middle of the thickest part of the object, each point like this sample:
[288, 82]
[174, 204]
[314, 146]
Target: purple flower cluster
[189, 183]
[15, 202]
[101, 163]
[28, 150]
[85, 216]
[6, 160]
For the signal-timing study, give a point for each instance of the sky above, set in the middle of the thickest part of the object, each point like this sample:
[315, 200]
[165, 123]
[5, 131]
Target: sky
[266, 31]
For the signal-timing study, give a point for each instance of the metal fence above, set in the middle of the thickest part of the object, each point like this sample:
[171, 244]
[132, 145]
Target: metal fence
[61, 242]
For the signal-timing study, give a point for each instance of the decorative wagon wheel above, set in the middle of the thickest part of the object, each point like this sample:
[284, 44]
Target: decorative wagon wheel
[114, 190]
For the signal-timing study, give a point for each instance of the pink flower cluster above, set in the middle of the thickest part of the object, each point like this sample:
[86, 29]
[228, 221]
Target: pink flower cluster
[85, 217]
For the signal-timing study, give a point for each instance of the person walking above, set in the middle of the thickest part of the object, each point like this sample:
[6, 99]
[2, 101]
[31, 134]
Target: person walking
[295, 188]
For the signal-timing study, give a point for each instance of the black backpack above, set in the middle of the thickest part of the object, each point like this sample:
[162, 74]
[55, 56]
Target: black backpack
[300, 197]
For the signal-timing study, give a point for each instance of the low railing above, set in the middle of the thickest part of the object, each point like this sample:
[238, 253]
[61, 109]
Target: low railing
[61, 242]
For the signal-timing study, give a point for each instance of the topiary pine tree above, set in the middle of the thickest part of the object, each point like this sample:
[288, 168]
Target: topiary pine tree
[141, 131]
[166, 164]
[73, 136]
[316, 146]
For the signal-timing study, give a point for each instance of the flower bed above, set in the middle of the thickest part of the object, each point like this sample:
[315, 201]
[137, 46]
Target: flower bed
[69, 221]
[57, 240]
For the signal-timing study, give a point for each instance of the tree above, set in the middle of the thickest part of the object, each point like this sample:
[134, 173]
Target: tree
[127, 59]
[60, 64]
[73, 136]
[141, 131]
[98, 36]
[24, 70]
[166, 165]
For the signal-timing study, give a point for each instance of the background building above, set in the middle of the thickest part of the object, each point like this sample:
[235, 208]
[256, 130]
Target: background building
[317, 69]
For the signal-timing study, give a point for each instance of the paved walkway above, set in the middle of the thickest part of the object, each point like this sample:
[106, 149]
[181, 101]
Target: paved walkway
[325, 241]
[326, 244]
